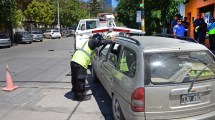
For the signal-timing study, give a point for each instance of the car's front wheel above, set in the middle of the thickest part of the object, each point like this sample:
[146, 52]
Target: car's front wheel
[117, 112]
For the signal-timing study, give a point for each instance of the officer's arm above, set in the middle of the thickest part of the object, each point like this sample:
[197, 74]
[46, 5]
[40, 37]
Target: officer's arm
[105, 42]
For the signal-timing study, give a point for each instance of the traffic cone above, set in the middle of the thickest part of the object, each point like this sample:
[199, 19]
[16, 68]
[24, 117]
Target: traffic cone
[9, 82]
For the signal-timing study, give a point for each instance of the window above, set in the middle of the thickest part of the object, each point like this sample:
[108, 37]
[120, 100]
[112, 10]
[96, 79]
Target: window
[114, 54]
[127, 62]
[104, 51]
[81, 27]
[90, 24]
[179, 67]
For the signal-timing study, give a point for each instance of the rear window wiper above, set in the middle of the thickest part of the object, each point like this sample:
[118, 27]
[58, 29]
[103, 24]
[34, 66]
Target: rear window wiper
[197, 76]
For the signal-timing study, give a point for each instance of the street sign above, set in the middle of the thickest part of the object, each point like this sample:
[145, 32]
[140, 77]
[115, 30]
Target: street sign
[138, 17]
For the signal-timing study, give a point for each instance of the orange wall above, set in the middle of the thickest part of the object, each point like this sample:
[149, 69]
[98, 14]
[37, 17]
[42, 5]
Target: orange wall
[192, 8]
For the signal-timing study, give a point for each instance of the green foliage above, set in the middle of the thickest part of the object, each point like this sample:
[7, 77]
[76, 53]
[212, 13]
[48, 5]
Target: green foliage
[71, 12]
[40, 12]
[126, 11]
[156, 13]
[7, 9]
[18, 19]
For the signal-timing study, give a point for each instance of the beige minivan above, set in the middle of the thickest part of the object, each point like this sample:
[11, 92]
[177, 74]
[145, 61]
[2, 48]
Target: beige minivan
[161, 78]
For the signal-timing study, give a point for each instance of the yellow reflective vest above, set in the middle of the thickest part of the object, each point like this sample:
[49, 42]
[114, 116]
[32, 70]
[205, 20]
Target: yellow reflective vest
[123, 65]
[83, 56]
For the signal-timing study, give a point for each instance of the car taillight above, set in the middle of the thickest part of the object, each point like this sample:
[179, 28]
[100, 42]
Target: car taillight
[138, 100]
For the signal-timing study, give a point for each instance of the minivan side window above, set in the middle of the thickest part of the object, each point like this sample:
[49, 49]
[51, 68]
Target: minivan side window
[127, 62]
[114, 54]
[104, 51]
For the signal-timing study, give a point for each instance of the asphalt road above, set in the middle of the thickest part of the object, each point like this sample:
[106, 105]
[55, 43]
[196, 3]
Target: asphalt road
[41, 72]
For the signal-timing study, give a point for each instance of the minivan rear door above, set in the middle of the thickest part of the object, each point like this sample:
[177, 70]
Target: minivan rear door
[168, 78]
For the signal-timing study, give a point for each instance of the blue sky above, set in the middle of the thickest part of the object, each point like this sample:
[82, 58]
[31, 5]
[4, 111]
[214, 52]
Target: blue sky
[114, 2]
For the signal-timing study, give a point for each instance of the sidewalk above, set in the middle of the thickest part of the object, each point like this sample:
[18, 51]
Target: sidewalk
[52, 101]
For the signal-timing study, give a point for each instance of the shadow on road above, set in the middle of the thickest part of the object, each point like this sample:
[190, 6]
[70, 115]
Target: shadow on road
[102, 98]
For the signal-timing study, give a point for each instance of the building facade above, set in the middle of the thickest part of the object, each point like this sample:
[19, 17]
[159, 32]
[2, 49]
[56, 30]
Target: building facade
[109, 3]
[205, 7]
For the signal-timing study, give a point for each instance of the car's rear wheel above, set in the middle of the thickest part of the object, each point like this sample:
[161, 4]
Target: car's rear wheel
[94, 76]
[117, 112]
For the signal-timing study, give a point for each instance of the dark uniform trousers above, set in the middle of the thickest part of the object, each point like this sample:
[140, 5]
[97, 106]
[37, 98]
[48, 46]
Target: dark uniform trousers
[212, 41]
[79, 74]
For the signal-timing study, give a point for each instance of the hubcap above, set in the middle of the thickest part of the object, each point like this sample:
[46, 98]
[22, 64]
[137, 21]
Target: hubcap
[116, 109]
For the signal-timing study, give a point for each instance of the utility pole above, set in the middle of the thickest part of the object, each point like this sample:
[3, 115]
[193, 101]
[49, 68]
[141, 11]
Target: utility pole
[58, 19]
[143, 17]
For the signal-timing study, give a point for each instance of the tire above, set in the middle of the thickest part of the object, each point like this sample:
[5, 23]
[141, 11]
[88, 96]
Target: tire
[117, 112]
[94, 76]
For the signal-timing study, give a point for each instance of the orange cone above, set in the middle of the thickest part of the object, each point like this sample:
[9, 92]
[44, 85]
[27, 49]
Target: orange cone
[9, 82]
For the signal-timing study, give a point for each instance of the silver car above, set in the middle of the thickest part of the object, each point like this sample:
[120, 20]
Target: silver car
[37, 36]
[157, 78]
[4, 41]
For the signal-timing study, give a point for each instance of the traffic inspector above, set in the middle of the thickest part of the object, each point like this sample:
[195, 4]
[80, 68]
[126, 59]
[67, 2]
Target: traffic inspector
[79, 64]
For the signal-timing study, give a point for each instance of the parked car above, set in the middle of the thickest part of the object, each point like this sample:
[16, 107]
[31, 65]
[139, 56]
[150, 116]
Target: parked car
[157, 78]
[72, 30]
[64, 32]
[52, 34]
[37, 36]
[4, 41]
[23, 37]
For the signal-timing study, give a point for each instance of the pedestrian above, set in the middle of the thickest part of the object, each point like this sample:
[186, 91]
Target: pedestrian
[173, 23]
[211, 33]
[79, 63]
[186, 26]
[178, 30]
[200, 29]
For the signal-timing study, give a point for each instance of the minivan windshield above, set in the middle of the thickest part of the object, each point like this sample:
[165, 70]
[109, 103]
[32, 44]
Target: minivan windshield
[179, 67]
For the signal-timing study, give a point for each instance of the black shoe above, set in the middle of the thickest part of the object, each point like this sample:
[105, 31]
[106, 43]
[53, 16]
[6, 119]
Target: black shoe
[81, 97]
[75, 97]
[73, 90]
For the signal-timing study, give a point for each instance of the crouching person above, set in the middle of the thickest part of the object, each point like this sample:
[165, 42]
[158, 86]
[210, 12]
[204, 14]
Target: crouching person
[79, 63]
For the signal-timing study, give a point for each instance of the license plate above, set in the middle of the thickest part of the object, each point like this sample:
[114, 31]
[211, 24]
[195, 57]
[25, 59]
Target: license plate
[190, 98]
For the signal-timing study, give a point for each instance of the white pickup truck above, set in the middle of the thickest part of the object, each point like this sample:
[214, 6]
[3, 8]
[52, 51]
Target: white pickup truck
[84, 25]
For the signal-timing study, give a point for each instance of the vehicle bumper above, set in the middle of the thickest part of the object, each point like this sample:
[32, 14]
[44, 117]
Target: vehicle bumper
[26, 40]
[206, 116]
[38, 39]
[56, 36]
[5, 44]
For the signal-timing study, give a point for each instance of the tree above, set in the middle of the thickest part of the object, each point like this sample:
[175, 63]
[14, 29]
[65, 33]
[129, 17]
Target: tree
[18, 19]
[40, 12]
[7, 11]
[156, 13]
[126, 11]
[71, 12]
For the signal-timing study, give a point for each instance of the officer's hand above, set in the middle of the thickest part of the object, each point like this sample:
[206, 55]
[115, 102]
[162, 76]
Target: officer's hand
[113, 38]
